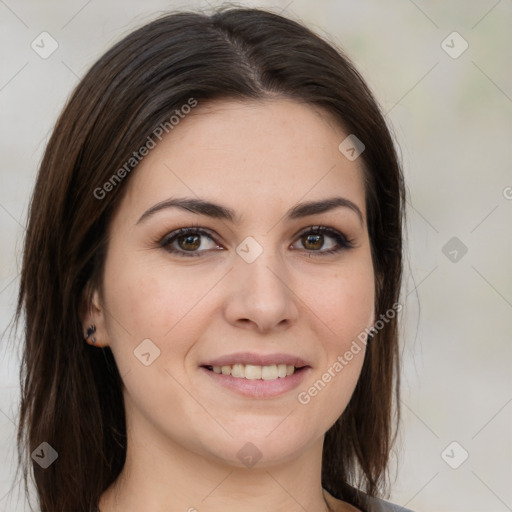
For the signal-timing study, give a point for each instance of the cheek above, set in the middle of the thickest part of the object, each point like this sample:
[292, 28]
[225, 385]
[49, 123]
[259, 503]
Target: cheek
[151, 300]
[344, 303]
[147, 298]
[151, 324]
[344, 308]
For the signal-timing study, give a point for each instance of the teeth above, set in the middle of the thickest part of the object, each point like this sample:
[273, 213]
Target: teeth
[269, 372]
[281, 370]
[254, 372]
[238, 370]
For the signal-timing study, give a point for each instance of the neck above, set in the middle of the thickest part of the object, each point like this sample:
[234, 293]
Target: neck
[160, 475]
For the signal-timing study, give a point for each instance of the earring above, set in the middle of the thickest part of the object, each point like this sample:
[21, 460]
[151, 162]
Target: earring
[91, 330]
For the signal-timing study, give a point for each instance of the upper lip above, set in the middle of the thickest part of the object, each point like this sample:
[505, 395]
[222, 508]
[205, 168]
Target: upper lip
[257, 359]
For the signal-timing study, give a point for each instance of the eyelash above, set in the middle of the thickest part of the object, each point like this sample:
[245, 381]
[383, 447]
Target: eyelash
[342, 241]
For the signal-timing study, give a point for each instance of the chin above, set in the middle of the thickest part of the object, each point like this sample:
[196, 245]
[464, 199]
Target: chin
[261, 450]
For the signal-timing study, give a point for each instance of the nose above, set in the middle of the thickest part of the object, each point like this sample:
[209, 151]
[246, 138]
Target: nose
[261, 295]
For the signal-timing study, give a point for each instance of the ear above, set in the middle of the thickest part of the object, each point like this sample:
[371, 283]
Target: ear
[93, 315]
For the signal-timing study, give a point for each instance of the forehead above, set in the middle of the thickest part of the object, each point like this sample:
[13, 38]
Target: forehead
[249, 154]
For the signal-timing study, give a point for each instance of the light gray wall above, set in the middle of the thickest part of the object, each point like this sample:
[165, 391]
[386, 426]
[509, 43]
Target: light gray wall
[452, 118]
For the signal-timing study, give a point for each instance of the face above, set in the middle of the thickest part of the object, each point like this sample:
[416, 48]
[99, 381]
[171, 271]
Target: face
[252, 280]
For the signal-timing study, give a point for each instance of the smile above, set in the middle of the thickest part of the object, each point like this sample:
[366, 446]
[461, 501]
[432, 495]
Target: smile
[255, 372]
[259, 382]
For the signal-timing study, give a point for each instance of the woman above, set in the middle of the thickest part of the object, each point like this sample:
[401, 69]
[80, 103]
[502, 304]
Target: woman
[211, 278]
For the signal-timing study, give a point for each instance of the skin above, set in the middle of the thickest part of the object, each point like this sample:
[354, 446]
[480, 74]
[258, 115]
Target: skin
[260, 159]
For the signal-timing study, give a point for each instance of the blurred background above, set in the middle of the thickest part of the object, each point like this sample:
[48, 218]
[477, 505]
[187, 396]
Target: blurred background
[442, 72]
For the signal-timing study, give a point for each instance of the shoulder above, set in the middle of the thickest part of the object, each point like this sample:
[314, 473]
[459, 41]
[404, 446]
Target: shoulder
[337, 505]
[371, 504]
[379, 505]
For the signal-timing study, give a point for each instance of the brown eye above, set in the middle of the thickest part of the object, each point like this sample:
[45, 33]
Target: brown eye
[315, 238]
[190, 242]
[313, 242]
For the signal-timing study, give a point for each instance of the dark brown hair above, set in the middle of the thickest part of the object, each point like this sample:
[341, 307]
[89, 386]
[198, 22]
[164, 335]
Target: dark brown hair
[72, 392]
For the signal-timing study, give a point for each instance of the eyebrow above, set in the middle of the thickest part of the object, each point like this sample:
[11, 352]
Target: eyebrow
[217, 211]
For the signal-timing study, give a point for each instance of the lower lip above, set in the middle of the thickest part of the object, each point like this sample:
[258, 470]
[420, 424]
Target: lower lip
[258, 388]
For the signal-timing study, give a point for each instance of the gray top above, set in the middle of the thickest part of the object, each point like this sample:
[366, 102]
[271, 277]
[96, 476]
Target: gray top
[378, 505]
[371, 504]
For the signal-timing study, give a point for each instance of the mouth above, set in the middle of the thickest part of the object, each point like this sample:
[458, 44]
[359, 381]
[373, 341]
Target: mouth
[254, 375]
[256, 372]
[257, 382]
